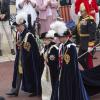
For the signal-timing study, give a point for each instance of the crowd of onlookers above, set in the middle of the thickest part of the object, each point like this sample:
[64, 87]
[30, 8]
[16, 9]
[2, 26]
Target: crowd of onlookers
[39, 14]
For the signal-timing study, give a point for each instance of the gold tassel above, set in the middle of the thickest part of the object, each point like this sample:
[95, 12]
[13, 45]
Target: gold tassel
[47, 74]
[20, 68]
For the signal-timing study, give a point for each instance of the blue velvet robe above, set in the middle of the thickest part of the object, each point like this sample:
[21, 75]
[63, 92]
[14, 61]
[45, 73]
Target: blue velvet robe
[31, 63]
[91, 80]
[71, 86]
[53, 67]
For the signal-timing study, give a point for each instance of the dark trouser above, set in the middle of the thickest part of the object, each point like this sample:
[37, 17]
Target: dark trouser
[84, 59]
[18, 83]
[54, 74]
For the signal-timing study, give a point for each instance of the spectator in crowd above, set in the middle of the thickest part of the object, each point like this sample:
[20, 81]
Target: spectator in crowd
[47, 13]
[98, 1]
[4, 25]
[94, 10]
[98, 28]
[28, 8]
[74, 16]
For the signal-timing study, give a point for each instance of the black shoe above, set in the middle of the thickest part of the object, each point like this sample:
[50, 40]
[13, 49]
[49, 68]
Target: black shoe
[0, 52]
[12, 94]
[12, 51]
[2, 98]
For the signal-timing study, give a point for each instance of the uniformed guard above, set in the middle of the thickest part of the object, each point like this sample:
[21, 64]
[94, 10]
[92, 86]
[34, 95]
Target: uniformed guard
[70, 82]
[50, 55]
[86, 30]
[27, 61]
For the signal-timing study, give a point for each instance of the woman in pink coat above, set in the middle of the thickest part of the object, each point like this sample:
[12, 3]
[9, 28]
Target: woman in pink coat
[47, 13]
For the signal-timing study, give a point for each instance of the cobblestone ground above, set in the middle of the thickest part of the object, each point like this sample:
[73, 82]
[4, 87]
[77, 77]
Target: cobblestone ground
[6, 71]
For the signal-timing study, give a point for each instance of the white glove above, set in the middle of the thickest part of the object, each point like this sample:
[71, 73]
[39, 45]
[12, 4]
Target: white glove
[90, 49]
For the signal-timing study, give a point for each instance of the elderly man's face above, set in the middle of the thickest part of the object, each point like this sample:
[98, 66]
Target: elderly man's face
[20, 28]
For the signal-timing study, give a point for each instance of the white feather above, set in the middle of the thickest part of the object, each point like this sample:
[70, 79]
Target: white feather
[20, 18]
[50, 34]
[59, 27]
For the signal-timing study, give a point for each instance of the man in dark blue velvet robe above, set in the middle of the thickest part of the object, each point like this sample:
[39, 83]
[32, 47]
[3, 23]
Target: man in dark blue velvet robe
[70, 82]
[50, 56]
[65, 2]
[27, 62]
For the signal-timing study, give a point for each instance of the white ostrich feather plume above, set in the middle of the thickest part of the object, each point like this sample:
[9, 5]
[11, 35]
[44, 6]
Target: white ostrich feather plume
[59, 27]
[20, 18]
[50, 34]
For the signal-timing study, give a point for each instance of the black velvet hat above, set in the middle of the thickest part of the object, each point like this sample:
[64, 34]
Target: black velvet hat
[43, 35]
